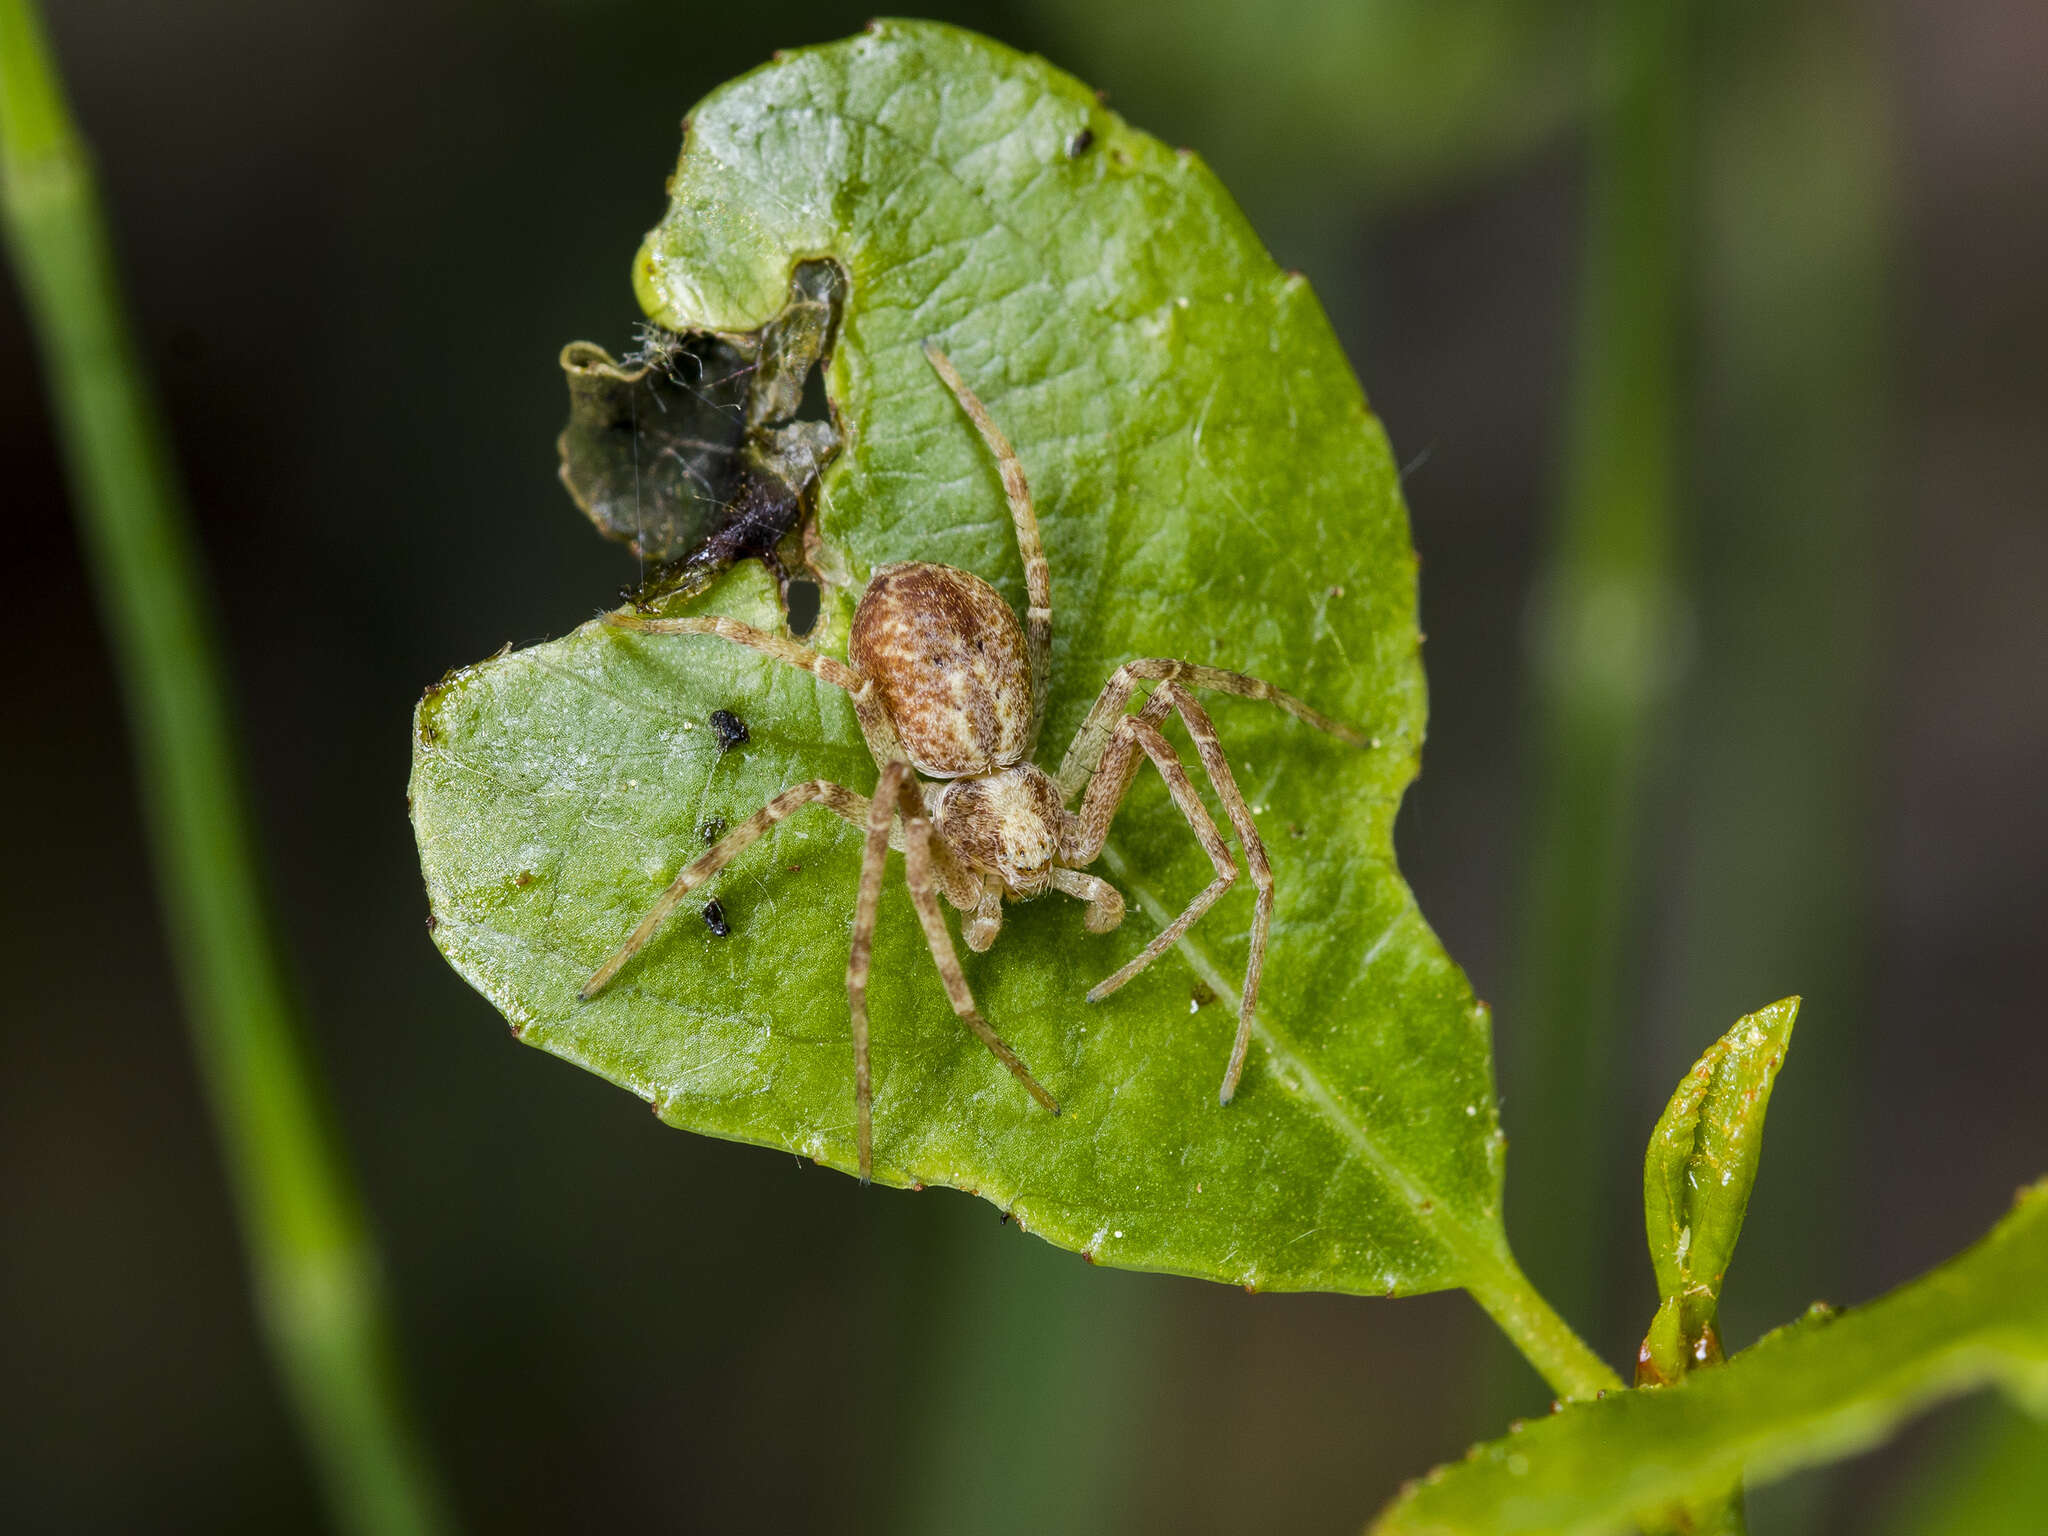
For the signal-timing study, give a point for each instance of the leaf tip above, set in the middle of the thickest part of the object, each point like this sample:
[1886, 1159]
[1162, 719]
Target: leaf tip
[1776, 1019]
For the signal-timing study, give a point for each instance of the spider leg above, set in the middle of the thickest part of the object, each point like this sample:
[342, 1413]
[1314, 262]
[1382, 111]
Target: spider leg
[1202, 731]
[874, 855]
[981, 929]
[835, 797]
[1100, 808]
[1037, 577]
[867, 708]
[923, 869]
[1088, 828]
[1092, 740]
[1106, 788]
[1105, 901]
[896, 784]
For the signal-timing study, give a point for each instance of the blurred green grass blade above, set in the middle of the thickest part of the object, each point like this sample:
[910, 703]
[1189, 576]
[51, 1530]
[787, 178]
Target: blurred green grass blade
[1040, 1368]
[1800, 483]
[1336, 102]
[1212, 485]
[315, 1274]
[1605, 649]
[1822, 1388]
[1990, 1478]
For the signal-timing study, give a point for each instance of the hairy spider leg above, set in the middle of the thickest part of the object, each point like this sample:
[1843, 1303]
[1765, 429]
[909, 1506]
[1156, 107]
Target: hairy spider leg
[925, 869]
[1092, 739]
[1105, 901]
[1106, 793]
[897, 783]
[1037, 576]
[836, 798]
[1202, 731]
[874, 856]
[986, 919]
[1105, 790]
[867, 708]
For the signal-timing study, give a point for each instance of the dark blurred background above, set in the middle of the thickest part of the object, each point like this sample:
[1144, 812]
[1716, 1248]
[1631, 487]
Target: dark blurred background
[356, 235]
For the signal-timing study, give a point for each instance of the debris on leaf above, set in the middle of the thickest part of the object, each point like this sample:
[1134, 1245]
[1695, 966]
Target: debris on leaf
[729, 728]
[695, 451]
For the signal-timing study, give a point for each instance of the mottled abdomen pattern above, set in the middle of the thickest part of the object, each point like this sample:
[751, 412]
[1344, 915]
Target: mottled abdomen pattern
[946, 654]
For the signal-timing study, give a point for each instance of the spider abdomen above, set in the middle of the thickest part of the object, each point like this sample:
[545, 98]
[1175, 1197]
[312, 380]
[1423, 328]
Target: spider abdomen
[946, 655]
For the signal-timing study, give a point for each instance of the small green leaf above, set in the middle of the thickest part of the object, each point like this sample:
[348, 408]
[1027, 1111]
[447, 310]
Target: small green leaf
[1666, 1353]
[1822, 1388]
[1697, 1177]
[1211, 486]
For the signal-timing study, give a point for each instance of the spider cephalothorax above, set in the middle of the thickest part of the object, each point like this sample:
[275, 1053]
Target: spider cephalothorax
[946, 684]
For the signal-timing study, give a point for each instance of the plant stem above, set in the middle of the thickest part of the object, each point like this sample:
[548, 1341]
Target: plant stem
[1545, 1339]
[1605, 652]
[314, 1272]
[1035, 1370]
[1988, 1476]
[1801, 483]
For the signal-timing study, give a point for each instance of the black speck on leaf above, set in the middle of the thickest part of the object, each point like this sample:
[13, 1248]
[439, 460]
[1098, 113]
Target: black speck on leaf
[714, 918]
[711, 828]
[729, 728]
[1078, 145]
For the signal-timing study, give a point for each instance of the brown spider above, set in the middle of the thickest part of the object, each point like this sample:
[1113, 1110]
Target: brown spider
[946, 685]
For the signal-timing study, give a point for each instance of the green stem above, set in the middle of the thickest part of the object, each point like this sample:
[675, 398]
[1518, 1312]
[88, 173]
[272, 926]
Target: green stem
[1605, 655]
[1545, 1339]
[1035, 1370]
[1988, 1475]
[1800, 483]
[313, 1268]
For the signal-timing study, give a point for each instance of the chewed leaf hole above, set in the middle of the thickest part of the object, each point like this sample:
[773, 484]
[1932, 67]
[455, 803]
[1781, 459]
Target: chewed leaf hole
[700, 449]
[814, 406]
[802, 597]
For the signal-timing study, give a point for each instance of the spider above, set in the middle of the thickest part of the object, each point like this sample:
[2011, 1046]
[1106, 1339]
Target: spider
[948, 688]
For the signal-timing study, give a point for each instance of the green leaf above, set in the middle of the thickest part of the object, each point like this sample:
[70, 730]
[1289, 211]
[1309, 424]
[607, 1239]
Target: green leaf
[1666, 1352]
[1697, 1176]
[1825, 1387]
[1211, 486]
